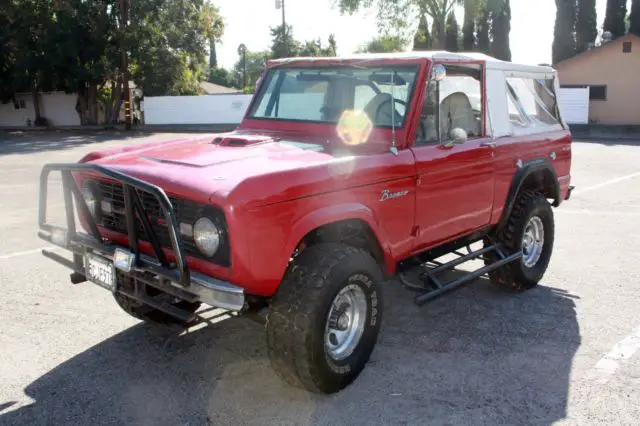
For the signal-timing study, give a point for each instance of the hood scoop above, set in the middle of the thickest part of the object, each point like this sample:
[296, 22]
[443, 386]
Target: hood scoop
[242, 140]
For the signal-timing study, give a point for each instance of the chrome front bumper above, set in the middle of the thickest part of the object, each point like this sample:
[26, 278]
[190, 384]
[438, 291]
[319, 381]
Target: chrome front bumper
[173, 278]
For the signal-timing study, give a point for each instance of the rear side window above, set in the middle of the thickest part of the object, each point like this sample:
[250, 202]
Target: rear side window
[537, 99]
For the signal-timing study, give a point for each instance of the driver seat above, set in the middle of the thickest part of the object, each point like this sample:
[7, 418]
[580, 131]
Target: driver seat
[456, 112]
[382, 116]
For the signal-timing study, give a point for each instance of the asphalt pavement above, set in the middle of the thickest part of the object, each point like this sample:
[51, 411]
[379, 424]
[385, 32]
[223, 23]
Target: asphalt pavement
[566, 352]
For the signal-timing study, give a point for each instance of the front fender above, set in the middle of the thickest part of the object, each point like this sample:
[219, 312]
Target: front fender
[336, 213]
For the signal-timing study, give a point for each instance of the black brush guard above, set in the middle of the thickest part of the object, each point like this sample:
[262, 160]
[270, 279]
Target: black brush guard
[209, 289]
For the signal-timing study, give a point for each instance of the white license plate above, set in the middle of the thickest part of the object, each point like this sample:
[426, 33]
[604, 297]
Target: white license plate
[100, 271]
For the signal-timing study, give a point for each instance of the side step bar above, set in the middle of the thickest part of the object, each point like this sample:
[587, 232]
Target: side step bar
[433, 287]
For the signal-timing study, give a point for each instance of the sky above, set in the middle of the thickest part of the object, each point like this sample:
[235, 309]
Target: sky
[248, 22]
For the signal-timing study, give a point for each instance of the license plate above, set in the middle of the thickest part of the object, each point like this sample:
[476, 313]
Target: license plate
[100, 271]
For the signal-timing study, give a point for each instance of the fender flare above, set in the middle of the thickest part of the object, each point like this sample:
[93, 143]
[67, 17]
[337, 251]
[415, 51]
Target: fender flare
[336, 213]
[521, 175]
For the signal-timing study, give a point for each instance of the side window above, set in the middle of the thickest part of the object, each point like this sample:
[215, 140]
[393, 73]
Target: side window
[536, 99]
[453, 103]
[515, 115]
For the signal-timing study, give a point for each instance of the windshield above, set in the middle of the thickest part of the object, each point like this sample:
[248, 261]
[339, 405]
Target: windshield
[323, 94]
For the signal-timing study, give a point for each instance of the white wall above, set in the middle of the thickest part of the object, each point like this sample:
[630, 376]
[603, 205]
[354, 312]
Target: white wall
[574, 105]
[206, 109]
[11, 117]
[59, 109]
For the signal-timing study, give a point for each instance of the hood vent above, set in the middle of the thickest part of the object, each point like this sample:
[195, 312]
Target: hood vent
[242, 140]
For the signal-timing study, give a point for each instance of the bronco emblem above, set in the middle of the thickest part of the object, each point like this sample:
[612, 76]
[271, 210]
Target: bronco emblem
[387, 195]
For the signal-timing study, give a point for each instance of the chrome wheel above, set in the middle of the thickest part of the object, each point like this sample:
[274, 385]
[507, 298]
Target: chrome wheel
[345, 322]
[532, 242]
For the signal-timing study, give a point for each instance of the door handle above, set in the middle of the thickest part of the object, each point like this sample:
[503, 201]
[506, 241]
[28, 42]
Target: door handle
[489, 144]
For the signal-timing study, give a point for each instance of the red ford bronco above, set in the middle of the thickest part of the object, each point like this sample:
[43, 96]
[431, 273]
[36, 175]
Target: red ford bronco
[343, 172]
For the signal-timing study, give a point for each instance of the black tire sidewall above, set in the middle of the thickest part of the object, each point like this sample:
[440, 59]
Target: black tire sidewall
[538, 207]
[342, 372]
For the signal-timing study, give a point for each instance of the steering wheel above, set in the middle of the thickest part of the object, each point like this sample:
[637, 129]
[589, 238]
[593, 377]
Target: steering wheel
[389, 101]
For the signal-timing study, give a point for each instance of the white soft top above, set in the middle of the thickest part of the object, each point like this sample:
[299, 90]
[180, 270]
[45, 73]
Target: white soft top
[441, 55]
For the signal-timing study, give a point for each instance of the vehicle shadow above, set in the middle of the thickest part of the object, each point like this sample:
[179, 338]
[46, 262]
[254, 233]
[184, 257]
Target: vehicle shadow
[33, 142]
[477, 356]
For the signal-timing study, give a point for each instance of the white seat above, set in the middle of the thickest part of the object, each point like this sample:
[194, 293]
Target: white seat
[456, 112]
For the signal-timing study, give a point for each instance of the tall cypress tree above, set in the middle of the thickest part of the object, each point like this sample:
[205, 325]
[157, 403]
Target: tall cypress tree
[422, 39]
[586, 24]
[434, 34]
[614, 20]
[564, 43]
[469, 26]
[451, 34]
[482, 24]
[634, 18]
[500, 29]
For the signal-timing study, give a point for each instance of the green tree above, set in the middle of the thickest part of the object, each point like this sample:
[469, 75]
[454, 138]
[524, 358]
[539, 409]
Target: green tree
[422, 38]
[396, 15]
[500, 29]
[255, 64]
[634, 18]
[615, 17]
[564, 43]
[586, 24]
[280, 49]
[76, 45]
[222, 77]
[483, 24]
[333, 45]
[451, 36]
[469, 43]
[383, 44]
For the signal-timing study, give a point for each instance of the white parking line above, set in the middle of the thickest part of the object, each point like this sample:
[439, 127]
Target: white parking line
[26, 252]
[600, 185]
[622, 351]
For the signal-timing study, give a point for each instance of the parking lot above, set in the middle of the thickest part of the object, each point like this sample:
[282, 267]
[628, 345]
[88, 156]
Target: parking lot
[565, 352]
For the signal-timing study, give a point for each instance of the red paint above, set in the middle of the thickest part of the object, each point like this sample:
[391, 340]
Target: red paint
[273, 194]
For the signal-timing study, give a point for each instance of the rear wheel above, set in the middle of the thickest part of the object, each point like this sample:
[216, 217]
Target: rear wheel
[529, 229]
[324, 320]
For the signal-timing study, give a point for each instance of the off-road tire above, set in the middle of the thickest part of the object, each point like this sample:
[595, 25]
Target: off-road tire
[151, 315]
[298, 313]
[516, 275]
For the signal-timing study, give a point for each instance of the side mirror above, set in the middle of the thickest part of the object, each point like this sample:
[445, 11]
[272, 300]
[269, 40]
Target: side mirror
[457, 136]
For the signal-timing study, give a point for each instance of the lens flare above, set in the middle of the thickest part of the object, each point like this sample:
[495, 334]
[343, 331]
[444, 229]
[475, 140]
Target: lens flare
[354, 127]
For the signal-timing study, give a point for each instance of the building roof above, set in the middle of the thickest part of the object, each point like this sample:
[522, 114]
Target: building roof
[491, 62]
[599, 48]
[216, 89]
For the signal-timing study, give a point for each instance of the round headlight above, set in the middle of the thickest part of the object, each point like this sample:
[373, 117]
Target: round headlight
[90, 199]
[206, 236]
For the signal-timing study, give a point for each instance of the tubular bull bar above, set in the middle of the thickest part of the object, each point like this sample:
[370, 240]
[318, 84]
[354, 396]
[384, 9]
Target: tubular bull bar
[173, 278]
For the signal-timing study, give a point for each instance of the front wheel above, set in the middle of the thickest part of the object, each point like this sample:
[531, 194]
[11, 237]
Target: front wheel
[529, 229]
[324, 320]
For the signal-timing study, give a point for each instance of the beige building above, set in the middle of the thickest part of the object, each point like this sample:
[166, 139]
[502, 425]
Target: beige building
[612, 73]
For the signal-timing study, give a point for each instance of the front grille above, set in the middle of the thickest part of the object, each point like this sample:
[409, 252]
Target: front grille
[186, 212]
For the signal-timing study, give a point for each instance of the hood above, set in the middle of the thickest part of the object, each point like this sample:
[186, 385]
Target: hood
[243, 168]
[201, 166]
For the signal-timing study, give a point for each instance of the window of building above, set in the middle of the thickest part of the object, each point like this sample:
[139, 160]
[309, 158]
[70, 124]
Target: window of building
[626, 47]
[598, 93]
[20, 104]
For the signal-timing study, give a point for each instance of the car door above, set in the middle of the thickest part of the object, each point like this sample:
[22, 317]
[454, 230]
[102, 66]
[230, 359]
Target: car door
[455, 181]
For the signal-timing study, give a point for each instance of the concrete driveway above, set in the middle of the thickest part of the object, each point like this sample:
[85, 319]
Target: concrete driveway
[565, 352]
